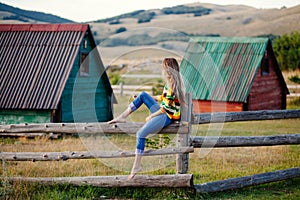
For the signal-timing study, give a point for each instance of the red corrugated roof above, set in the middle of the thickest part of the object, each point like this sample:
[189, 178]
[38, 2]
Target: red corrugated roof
[43, 27]
[35, 63]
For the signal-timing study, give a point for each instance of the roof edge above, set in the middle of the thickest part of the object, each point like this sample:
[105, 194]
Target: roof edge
[229, 39]
[43, 27]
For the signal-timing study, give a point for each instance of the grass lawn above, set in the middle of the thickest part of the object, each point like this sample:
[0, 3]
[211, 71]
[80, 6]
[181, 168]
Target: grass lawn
[206, 165]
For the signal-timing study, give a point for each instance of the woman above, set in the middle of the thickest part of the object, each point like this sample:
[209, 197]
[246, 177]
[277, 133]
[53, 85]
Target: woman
[162, 114]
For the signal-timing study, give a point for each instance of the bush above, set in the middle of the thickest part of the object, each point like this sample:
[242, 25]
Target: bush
[181, 9]
[295, 79]
[287, 51]
[121, 29]
[145, 17]
[117, 21]
[114, 78]
[15, 17]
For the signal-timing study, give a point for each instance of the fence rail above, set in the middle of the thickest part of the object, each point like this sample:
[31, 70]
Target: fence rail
[131, 89]
[244, 141]
[205, 118]
[293, 87]
[185, 145]
[88, 128]
[56, 156]
[175, 180]
[294, 90]
[240, 182]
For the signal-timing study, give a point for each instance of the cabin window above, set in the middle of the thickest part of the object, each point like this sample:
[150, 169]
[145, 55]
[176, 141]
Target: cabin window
[85, 44]
[84, 64]
[265, 65]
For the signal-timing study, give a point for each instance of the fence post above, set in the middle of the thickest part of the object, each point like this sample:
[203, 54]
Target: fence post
[183, 140]
[121, 88]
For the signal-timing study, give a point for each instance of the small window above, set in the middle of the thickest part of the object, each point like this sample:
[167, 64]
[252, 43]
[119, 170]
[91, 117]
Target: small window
[85, 44]
[265, 65]
[84, 64]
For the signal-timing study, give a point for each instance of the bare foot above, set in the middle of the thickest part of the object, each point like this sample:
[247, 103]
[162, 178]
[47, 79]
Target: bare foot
[117, 120]
[133, 173]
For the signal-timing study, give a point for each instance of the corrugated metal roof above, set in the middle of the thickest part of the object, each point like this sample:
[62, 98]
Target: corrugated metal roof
[221, 68]
[35, 62]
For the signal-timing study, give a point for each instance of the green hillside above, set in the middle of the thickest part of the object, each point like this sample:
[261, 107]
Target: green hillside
[176, 23]
[197, 19]
[10, 13]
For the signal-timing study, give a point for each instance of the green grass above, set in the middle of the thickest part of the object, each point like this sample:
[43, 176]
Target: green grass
[289, 189]
[294, 103]
[216, 164]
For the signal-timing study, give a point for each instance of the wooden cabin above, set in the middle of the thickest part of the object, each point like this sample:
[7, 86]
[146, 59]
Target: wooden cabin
[52, 73]
[233, 74]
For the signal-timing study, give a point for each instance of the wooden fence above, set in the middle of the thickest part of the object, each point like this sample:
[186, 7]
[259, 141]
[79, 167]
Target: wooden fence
[294, 90]
[122, 89]
[185, 145]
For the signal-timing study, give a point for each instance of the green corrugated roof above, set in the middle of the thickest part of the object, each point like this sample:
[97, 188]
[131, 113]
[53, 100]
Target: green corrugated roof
[221, 68]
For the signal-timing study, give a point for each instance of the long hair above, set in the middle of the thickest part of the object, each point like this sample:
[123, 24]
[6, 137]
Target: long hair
[172, 74]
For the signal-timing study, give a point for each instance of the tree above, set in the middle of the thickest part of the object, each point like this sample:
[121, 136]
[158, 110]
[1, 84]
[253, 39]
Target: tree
[121, 29]
[287, 51]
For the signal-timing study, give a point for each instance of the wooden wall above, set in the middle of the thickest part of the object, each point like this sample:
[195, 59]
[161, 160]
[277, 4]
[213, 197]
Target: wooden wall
[85, 98]
[24, 116]
[267, 91]
[203, 106]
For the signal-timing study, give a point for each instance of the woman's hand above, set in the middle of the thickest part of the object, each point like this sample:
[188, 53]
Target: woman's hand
[148, 118]
[159, 112]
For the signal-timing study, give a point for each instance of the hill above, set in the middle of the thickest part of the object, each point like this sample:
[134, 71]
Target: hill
[216, 20]
[10, 14]
[176, 23]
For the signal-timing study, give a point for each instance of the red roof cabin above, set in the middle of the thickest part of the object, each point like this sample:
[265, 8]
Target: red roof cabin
[233, 74]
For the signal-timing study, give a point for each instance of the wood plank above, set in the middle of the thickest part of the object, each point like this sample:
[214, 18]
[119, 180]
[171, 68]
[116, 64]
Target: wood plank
[132, 87]
[244, 141]
[221, 117]
[89, 128]
[177, 180]
[183, 140]
[241, 182]
[293, 86]
[30, 135]
[56, 156]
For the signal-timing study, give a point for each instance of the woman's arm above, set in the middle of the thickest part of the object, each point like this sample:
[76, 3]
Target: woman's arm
[157, 98]
[159, 112]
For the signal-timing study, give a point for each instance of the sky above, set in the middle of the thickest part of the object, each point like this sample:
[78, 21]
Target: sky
[89, 10]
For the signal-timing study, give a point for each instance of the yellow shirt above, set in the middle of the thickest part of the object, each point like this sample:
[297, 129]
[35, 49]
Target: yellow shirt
[169, 103]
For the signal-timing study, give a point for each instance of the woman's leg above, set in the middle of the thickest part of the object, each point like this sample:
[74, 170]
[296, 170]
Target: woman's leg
[151, 127]
[142, 98]
[136, 166]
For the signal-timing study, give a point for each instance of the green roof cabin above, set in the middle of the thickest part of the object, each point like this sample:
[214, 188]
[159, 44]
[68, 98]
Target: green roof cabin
[233, 74]
[52, 73]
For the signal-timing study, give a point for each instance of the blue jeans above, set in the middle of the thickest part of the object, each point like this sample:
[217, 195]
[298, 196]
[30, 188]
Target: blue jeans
[152, 126]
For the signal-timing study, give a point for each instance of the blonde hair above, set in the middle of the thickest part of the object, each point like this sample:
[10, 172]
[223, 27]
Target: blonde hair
[172, 74]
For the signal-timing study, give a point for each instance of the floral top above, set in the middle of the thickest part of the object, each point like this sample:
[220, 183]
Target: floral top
[170, 104]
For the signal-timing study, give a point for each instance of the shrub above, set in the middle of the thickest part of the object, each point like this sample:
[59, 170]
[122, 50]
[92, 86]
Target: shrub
[181, 9]
[286, 49]
[121, 29]
[295, 79]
